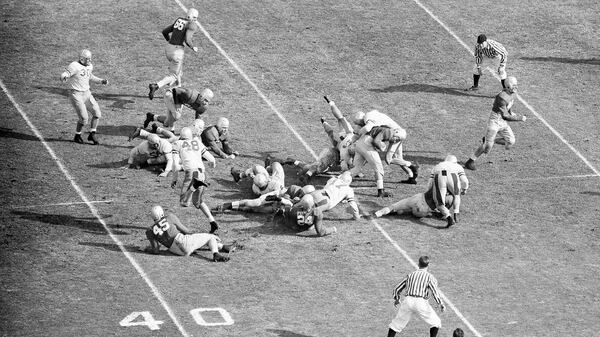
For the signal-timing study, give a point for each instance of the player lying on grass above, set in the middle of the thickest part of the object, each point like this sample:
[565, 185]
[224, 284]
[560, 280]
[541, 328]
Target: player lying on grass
[167, 230]
[308, 211]
[265, 179]
[152, 151]
[197, 128]
[446, 185]
[216, 138]
[270, 202]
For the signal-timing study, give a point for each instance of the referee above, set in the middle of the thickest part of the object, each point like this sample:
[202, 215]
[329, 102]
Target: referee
[488, 52]
[418, 285]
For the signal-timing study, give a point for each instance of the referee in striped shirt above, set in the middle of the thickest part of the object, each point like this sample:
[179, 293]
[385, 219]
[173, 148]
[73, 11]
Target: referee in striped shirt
[488, 51]
[418, 285]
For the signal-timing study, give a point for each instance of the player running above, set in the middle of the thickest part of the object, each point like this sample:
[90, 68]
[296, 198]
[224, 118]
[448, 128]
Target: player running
[177, 34]
[175, 99]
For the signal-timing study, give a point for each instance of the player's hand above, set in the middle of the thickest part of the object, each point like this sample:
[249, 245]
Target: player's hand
[230, 156]
[212, 164]
[164, 174]
[463, 191]
[105, 81]
[524, 118]
[195, 49]
[64, 78]
[173, 184]
[236, 153]
[442, 307]
[396, 302]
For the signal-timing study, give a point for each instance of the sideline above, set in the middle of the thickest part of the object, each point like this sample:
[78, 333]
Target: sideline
[95, 212]
[312, 152]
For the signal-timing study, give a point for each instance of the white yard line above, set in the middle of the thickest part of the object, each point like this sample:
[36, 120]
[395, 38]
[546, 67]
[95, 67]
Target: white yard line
[312, 152]
[94, 211]
[527, 105]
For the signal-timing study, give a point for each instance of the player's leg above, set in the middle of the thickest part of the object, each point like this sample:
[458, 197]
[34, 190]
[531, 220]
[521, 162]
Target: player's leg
[373, 158]
[93, 106]
[175, 56]
[502, 71]
[187, 189]
[399, 207]
[485, 146]
[197, 188]
[410, 168]
[77, 101]
[505, 137]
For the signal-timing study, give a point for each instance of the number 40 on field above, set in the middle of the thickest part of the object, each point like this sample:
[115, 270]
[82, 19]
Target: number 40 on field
[148, 320]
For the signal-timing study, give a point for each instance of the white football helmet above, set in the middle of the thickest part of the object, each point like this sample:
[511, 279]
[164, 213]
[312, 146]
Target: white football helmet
[400, 134]
[186, 133]
[153, 140]
[358, 118]
[199, 126]
[157, 213]
[511, 84]
[85, 57]
[207, 95]
[223, 123]
[451, 158]
[192, 14]
[261, 180]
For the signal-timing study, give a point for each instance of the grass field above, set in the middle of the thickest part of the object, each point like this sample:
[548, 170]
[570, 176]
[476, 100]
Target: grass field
[523, 261]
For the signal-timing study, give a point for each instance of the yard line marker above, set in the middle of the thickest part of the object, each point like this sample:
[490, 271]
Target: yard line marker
[94, 211]
[527, 105]
[312, 152]
[65, 204]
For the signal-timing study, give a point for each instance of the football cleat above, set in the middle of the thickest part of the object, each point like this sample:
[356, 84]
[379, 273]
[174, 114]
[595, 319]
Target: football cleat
[470, 164]
[410, 181]
[472, 88]
[450, 221]
[237, 174]
[268, 160]
[149, 118]
[134, 134]
[289, 161]
[92, 138]
[455, 217]
[220, 258]
[153, 128]
[78, 139]
[153, 87]
[415, 169]
[213, 227]
[383, 194]
[232, 247]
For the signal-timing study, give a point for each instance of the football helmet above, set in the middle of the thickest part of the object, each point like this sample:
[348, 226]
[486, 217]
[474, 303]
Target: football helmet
[261, 181]
[399, 135]
[192, 14]
[157, 213]
[186, 133]
[153, 140]
[451, 158]
[358, 118]
[207, 95]
[85, 57]
[511, 84]
[199, 126]
[222, 123]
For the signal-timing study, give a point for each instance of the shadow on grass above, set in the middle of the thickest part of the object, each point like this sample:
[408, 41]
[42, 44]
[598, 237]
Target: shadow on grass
[427, 88]
[9, 133]
[592, 61]
[88, 225]
[287, 333]
[119, 100]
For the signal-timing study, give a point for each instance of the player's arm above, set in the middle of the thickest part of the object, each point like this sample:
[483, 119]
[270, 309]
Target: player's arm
[352, 203]
[168, 151]
[226, 147]
[154, 245]
[65, 75]
[398, 291]
[96, 79]
[166, 32]
[210, 141]
[506, 113]
[180, 226]
[189, 33]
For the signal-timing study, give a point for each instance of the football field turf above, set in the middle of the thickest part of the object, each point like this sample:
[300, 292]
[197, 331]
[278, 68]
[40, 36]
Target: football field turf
[522, 261]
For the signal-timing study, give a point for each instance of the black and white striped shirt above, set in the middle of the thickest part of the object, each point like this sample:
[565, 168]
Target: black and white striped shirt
[492, 50]
[419, 283]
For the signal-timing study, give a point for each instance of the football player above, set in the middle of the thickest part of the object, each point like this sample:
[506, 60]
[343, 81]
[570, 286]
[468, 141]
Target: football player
[269, 202]
[78, 76]
[366, 121]
[448, 178]
[197, 127]
[367, 151]
[190, 151]
[168, 230]
[308, 211]
[175, 99]
[216, 138]
[152, 151]
[264, 179]
[176, 34]
[498, 131]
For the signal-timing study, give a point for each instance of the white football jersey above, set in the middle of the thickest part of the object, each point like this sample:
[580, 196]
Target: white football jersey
[376, 118]
[79, 76]
[190, 152]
